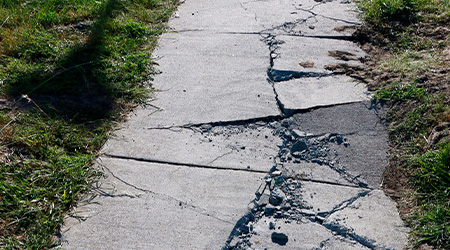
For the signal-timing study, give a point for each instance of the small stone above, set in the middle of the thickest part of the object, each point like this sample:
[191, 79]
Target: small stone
[276, 173]
[272, 225]
[279, 180]
[279, 238]
[245, 229]
[205, 127]
[272, 185]
[276, 197]
[299, 133]
[323, 137]
[285, 123]
[269, 209]
[234, 242]
[286, 206]
[299, 146]
[278, 214]
[251, 206]
[263, 200]
[297, 154]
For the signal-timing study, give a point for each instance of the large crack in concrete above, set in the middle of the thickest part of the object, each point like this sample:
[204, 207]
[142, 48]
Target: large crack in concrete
[297, 147]
[280, 199]
[184, 164]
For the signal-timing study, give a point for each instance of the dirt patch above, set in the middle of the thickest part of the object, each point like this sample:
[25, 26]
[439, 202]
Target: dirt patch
[307, 64]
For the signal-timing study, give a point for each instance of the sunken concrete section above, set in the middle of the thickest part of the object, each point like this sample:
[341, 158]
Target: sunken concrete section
[250, 142]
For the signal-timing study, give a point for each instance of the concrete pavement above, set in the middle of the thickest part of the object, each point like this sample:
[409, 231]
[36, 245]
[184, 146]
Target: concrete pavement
[250, 142]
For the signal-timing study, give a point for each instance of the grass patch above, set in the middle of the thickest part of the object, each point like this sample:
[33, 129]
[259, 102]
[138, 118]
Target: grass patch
[68, 70]
[432, 179]
[412, 76]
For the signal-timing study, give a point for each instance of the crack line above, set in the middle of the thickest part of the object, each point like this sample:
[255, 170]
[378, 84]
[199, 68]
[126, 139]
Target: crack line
[328, 183]
[327, 17]
[181, 203]
[220, 156]
[288, 113]
[344, 204]
[331, 37]
[185, 164]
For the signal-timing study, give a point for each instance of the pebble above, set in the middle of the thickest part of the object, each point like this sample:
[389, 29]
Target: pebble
[276, 173]
[269, 209]
[276, 197]
[205, 127]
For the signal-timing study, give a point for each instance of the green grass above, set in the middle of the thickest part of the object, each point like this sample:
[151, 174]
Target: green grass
[379, 11]
[70, 68]
[406, 30]
[432, 179]
[383, 13]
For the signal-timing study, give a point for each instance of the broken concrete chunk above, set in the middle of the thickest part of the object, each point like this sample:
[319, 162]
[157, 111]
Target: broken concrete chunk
[263, 200]
[276, 197]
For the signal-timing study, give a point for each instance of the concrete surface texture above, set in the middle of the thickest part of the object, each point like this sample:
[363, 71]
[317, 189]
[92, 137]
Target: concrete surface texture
[250, 142]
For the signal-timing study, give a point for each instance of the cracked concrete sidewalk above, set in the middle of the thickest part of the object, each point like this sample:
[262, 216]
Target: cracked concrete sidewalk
[250, 142]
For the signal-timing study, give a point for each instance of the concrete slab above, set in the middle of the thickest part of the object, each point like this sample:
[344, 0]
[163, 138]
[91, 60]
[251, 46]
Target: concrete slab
[329, 17]
[365, 151]
[324, 198]
[374, 217]
[214, 15]
[307, 93]
[363, 118]
[248, 147]
[154, 206]
[301, 17]
[143, 224]
[297, 51]
[203, 73]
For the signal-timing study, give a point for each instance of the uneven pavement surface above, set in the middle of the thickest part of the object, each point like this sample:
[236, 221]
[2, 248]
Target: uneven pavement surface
[250, 143]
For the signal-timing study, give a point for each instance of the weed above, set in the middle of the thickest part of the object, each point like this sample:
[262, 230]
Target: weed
[432, 176]
[379, 11]
[432, 179]
[396, 92]
[431, 225]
